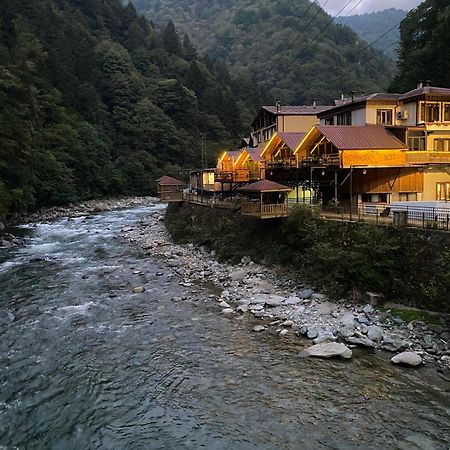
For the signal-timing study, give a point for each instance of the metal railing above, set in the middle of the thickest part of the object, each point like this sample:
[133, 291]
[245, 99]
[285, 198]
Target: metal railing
[213, 202]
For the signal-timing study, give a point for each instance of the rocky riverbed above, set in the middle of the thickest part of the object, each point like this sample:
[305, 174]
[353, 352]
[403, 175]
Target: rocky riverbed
[276, 304]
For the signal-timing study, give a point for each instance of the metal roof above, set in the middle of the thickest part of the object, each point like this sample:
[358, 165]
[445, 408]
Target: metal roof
[169, 181]
[426, 90]
[265, 186]
[368, 137]
[306, 110]
[292, 139]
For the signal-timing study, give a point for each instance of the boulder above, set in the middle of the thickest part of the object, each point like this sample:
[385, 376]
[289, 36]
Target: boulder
[346, 331]
[306, 294]
[259, 328]
[242, 308]
[312, 333]
[317, 296]
[408, 359]
[368, 309]
[228, 311]
[362, 341]
[374, 333]
[292, 301]
[329, 350]
[347, 319]
[139, 289]
[274, 300]
[238, 275]
[324, 337]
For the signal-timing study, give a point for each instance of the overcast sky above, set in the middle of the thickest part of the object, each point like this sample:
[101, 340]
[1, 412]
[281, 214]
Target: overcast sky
[334, 6]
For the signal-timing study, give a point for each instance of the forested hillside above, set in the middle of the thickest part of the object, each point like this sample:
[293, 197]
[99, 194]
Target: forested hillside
[95, 101]
[291, 48]
[372, 28]
[425, 46]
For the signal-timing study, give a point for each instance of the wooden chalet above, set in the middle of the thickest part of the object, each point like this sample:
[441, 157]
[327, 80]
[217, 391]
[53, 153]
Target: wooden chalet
[265, 200]
[170, 189]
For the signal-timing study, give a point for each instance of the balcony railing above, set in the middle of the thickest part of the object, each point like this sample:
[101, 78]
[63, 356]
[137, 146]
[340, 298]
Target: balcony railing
[236, 176]
[423, 157]
[285, 162]
[324, 160]
[171, 196]
[264, 211]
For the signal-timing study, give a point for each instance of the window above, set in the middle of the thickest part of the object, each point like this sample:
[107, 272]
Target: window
[446, 112]
[329, 121]
[374, 198]
[416, 143]
[408, 196]
[344, 118]
[441, 145]
[443, 191]
[384, 116]
[430, 112]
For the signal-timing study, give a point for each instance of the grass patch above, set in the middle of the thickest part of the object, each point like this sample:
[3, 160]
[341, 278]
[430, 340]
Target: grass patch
[408, 315]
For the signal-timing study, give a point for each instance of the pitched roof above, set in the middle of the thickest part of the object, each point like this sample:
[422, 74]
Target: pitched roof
[255, 153]
[426, 90]
[169, 181]
[292, 139]
[368, 137]
[265, 186]
[304, 110]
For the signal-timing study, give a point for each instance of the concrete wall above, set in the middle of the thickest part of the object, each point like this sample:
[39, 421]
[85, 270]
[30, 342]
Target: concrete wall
[358, 117]
[371, 113]
[296, 124]
[430, 178]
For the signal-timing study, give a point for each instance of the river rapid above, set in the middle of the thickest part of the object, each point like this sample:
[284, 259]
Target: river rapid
[87, 364]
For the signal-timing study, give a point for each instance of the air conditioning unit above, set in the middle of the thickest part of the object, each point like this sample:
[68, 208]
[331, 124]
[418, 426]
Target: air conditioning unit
[402, 115]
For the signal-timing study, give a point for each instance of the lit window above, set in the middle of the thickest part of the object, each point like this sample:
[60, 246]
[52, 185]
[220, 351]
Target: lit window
[447, 112]
[441, 145]
[384, 116]
[443, 191]
[430, 112]
[408, 196]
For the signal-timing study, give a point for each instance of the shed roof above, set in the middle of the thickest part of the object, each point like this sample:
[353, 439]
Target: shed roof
[169, 181]
[367, 137]
[265, 186]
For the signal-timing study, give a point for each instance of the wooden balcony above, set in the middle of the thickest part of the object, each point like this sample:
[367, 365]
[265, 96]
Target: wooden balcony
[169, 197]
[331, 160]
[264, 211]
[423, 157]
[281, 163]
[236, 176]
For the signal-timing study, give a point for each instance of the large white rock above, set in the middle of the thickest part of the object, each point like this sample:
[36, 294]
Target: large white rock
[374, 333]
[274, 300]
[408, 359]
[329, 350]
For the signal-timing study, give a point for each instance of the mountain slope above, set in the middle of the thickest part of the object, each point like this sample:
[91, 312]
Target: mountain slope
[95, 101]
[371, 26]
[290, 48]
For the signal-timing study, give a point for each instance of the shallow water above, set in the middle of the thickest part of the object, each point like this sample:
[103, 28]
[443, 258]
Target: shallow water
[85, 363]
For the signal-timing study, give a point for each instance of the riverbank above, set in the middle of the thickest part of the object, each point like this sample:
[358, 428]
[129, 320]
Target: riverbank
[8, 240]
[277, 304]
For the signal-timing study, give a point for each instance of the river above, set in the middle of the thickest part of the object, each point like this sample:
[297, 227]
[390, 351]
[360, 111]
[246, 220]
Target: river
[87, 364]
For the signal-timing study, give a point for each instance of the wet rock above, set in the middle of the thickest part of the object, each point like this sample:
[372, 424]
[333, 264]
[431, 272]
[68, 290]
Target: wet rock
[259, 328]
[306, 294]
[139, 289]
[408, 359]
[394, 344]
[329, 350]
[274, 300]
[374, 333]
[312, 333]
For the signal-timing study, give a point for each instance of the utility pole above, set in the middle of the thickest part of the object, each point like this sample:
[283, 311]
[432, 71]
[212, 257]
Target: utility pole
[203, 151]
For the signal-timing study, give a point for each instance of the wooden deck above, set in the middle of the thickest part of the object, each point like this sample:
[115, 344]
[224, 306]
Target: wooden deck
[263, 211]
[169, 197]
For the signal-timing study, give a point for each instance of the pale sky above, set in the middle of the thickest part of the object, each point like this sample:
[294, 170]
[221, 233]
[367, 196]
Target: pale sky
[334, 6]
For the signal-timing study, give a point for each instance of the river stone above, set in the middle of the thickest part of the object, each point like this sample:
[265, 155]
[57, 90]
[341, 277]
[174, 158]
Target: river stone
[292, 301]
[242, 308]
[408, 359]
[306, 294]
[258, 299]
[258, 307]
[436, 328]
[238, 275]
[284, 332]
[317, 296]
[329, 350]
[394, 344]
[325, 307]
[274, 300]
[288, 323]
[368, 309]
[259, 328]
[224, 304]
[374, 333]
[363, 341]
[347, 319]
[228, 311]
[139, 289]
[312, 333]
[324, 337]
[346, 331]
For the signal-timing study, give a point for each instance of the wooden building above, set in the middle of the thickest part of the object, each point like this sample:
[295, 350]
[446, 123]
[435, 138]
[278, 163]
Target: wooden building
[170, 189]
[265, 200]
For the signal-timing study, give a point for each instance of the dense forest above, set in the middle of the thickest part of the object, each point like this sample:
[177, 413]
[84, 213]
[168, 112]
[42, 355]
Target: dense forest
[95, 101]
[291, 48]
[425, 46]
[374, 27]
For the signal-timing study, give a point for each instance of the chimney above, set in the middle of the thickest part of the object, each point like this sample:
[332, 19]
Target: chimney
[278, 105]
[314, 104]
[428, 83]
[342, 97]
[353, 95]
[420, 85]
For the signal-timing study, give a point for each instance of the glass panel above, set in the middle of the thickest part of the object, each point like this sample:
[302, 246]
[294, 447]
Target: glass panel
[447, 112]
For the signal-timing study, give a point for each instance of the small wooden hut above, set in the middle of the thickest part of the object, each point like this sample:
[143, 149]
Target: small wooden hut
[170, 189]
[265, 200]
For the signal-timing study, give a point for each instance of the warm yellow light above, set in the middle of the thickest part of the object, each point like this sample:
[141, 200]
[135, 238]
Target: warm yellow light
[222, 157]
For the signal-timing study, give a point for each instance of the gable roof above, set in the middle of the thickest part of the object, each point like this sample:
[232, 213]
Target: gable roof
[169, 181]
[302, 110]
[292, 139]
[426, 90]
[265, 186]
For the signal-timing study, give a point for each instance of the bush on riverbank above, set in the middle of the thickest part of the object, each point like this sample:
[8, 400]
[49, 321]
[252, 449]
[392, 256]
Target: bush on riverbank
[407, 266]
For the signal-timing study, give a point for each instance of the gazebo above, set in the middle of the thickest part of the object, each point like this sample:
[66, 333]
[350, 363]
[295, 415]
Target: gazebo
[265, 200]
[170, 189]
